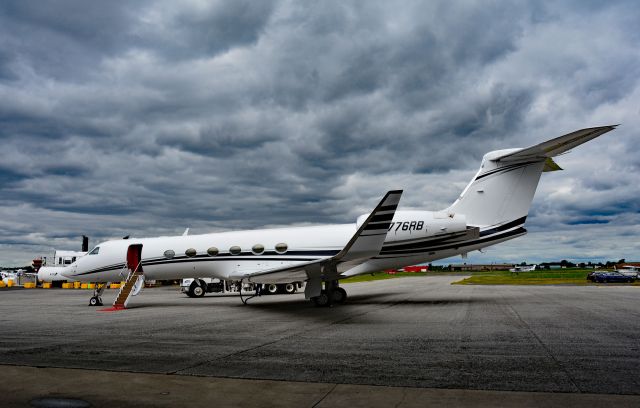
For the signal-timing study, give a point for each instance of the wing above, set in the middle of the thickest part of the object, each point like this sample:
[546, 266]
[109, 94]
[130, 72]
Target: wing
[555, 146]
[363, 245]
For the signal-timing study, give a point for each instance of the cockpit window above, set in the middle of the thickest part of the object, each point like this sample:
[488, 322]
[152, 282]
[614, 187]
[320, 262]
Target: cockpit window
[95, 251]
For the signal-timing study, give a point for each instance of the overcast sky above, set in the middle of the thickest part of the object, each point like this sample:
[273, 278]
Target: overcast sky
[144, 118]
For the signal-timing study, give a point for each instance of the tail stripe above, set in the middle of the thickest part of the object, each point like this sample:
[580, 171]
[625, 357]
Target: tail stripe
[506, 169]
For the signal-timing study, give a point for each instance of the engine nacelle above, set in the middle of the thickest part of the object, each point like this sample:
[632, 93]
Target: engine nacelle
[419, 224]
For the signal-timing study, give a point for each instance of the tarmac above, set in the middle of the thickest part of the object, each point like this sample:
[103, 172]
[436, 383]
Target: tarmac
[400, 342]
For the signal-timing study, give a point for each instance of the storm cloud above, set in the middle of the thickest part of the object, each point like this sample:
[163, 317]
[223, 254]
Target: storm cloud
[144, 118]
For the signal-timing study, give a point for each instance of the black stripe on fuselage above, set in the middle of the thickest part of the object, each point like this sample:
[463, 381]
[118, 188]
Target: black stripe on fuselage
[249, 256]
[424, 243]
[503, 227]
[431, 244]
[103, 269]
[223, 259]
[245, 256]
[415, 252]
[505, 169]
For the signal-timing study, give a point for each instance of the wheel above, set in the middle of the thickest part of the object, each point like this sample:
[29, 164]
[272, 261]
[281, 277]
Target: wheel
[272, 288]
[322, 300]
[93, 301]
[195, 290]
[290, 288]
[198, 291]
[339, 295]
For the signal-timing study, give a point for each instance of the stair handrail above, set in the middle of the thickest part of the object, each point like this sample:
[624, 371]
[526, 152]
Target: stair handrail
[122, 270]
[129, 275]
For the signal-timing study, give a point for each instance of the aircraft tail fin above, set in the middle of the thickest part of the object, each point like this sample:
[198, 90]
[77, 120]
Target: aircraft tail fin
[502, 190]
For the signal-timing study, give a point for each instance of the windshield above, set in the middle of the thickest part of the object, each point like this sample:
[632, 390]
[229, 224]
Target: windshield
[95, 251]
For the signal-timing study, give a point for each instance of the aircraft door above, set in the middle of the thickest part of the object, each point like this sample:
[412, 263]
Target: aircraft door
[134, 257]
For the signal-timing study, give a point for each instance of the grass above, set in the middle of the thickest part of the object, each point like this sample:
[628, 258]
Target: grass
[383, 275]
[552, 277]
[569, 276]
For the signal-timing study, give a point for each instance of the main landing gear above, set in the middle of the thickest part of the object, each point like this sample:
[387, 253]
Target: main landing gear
[332, 293]
[96, 299]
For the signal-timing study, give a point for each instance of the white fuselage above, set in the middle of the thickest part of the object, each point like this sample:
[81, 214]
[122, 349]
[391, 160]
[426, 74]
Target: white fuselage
[414, 237]
[491, 209]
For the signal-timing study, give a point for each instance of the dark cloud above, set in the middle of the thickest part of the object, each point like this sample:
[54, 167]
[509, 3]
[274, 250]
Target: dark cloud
[145, 118]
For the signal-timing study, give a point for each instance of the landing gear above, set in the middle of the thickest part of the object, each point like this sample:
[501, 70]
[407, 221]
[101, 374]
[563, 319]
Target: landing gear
[96, 299]
[196, 289]
[331, 293]
[339, 295]
[290, 288]
[322, 300]
[272, 288]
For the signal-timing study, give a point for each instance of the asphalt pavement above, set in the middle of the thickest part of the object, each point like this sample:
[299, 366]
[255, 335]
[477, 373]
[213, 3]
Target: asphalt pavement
[409, 333]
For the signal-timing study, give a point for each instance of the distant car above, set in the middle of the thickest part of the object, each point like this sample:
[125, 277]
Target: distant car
[606, 277]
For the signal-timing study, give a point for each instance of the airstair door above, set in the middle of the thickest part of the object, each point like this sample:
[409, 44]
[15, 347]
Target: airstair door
[134, 258]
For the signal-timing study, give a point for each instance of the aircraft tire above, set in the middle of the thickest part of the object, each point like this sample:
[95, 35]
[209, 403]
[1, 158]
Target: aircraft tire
[196, 289]
[322, 300]
[93, 301]
[272, 288]
[339, 295]
[290, 288]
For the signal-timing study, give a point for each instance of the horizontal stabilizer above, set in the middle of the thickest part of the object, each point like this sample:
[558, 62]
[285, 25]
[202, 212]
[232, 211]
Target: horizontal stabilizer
[556, 146]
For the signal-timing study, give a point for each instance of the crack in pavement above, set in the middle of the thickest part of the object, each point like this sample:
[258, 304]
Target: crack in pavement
[544, 347]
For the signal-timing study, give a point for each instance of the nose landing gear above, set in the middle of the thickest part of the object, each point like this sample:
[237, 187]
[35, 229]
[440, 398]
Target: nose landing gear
[96, 299]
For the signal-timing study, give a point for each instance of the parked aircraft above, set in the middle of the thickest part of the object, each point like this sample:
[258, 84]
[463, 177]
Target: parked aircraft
[51, 270]
[491, 209]
[523, 268]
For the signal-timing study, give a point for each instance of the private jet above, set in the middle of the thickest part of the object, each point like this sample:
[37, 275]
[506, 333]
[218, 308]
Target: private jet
[492, 208]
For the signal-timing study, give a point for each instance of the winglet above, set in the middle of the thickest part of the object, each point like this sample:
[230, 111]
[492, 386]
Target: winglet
[369, 238]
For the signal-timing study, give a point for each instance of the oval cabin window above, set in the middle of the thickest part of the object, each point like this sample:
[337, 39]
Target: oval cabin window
[258, 249]
[190, 252]
[281, 248]
[213, 251]
[235, 250]
[169, 253]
